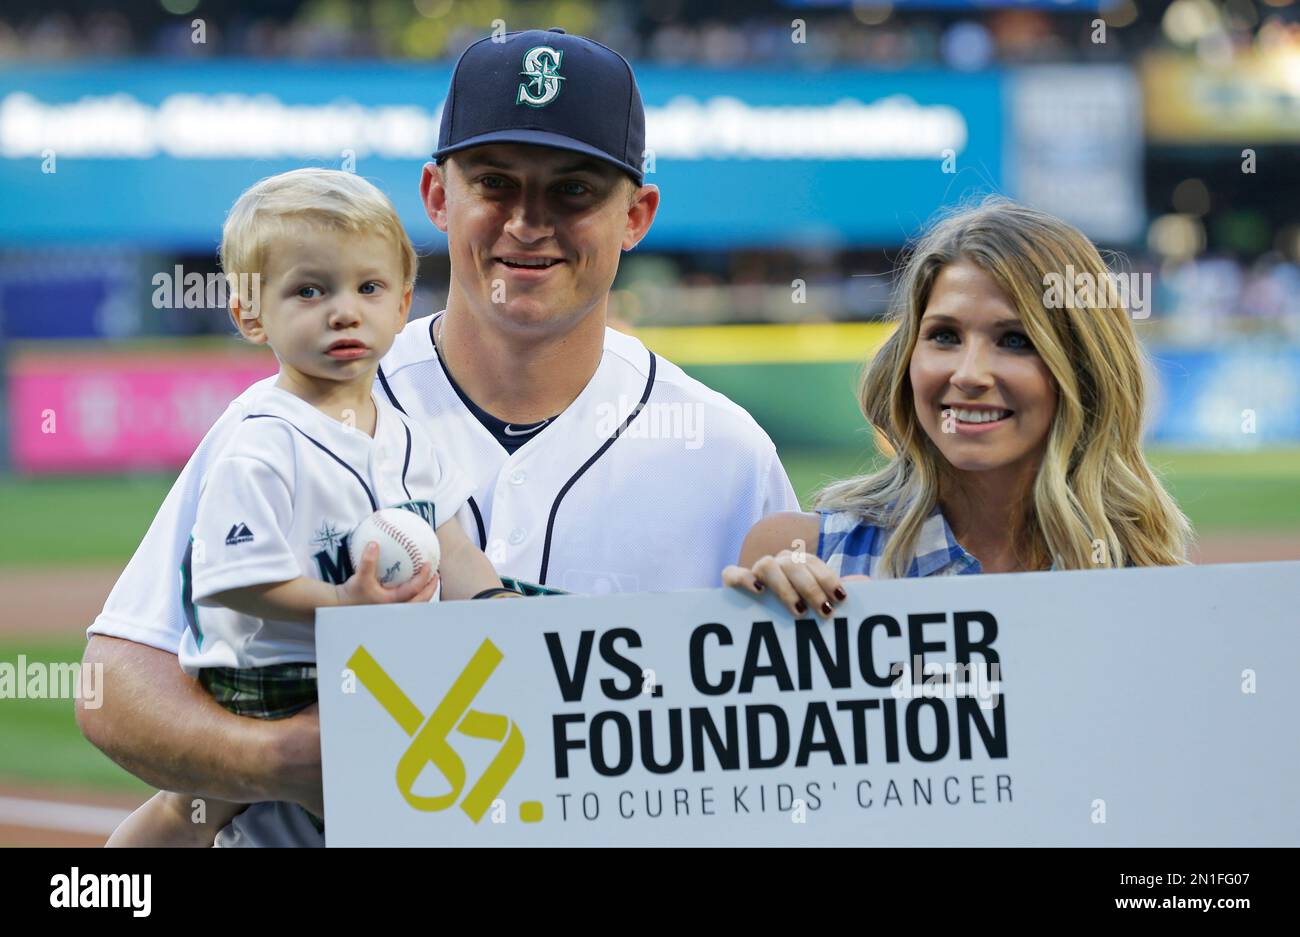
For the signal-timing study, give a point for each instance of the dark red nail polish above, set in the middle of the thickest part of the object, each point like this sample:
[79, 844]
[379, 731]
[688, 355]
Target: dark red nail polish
[800, 607]
[826, 608]
[840, 593]
[759, 586]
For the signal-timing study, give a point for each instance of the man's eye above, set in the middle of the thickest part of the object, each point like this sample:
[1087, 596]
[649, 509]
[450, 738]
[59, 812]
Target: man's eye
[493, 182]
[308, 292]
[1017, 341]
[574, 188]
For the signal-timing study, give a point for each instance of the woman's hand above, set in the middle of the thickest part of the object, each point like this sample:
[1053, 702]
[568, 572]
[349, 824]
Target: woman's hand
[800, 580]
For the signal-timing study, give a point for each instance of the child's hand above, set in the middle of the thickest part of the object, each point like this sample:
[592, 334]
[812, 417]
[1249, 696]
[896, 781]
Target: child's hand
[364, 588]
[801, 581]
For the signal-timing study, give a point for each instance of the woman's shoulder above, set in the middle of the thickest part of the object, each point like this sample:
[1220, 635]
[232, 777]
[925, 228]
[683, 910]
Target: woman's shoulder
[785, 530]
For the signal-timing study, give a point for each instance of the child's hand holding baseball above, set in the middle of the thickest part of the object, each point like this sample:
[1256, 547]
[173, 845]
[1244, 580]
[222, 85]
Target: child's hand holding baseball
[364, 587]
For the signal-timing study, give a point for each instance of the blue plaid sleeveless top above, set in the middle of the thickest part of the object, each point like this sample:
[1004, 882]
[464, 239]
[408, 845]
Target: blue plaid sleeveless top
[852, 546]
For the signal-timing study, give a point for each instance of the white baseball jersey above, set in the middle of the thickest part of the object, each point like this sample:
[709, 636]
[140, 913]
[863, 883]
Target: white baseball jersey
[278, 502]
[648, 481]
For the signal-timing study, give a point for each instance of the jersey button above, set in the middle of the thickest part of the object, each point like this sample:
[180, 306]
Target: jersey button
[517, 536]
[518, 477]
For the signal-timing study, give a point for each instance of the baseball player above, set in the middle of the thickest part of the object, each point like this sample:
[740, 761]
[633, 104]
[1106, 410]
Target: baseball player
[316, 450]
[595, 465]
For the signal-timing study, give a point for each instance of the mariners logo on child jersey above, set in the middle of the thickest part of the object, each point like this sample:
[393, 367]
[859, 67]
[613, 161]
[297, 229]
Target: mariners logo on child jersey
[329, 536]
[334, 561]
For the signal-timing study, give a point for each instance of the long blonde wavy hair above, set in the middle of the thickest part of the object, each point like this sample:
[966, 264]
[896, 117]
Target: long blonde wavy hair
[1095, 501]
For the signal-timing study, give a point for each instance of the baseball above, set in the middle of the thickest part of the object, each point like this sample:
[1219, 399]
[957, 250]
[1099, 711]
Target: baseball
[406, 543]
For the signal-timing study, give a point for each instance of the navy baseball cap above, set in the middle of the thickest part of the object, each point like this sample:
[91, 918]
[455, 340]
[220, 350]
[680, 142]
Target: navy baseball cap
[547, 88]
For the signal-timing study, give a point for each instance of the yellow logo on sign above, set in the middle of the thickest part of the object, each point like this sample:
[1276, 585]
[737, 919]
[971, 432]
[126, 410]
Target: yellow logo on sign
[429, 737]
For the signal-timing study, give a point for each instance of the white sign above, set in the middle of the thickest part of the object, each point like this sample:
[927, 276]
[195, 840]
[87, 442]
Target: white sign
[1135, 707]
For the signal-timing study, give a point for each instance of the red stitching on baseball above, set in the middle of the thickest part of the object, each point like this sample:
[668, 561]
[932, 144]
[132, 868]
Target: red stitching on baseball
[412, 551]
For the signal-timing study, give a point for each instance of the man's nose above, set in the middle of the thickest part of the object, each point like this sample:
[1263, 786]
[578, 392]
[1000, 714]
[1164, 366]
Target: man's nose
[530, 217]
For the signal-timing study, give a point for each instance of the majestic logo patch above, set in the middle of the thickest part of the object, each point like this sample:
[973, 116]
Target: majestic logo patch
[542, 67]
[239, 533]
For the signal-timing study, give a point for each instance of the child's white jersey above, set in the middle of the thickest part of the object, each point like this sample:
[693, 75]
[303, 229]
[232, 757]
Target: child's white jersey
[278, 501]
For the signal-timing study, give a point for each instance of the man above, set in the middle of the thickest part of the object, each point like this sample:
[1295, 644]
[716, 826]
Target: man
[597, 465]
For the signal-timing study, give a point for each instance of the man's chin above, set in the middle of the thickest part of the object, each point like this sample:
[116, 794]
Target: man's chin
[534, 313]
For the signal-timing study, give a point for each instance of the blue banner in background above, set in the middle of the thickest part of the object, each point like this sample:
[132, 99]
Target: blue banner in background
[151, 154]
[1226, 398]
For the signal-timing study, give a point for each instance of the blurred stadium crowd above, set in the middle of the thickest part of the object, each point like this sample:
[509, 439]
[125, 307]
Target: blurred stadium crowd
[719, 33]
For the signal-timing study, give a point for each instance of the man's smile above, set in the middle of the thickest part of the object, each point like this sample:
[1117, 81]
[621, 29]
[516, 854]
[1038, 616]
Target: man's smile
[527, 268]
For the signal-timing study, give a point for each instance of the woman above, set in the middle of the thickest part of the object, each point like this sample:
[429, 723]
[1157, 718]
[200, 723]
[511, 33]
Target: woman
[1014, 419]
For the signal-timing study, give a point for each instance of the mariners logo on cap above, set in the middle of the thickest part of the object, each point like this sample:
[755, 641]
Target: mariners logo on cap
[542, 66]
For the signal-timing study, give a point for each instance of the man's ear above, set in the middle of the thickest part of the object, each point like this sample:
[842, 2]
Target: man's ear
[640, 215]
[247, 319]
[433, 193]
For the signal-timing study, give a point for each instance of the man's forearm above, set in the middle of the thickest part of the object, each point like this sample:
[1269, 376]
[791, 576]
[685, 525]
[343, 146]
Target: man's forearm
[164, 728]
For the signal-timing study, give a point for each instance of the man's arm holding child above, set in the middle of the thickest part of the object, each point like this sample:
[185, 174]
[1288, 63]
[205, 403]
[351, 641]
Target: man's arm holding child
[163, 727]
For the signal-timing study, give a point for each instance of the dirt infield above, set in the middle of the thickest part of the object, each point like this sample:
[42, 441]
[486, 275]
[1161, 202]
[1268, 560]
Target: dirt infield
[1246, 547]
[52, 603]
[44, 816]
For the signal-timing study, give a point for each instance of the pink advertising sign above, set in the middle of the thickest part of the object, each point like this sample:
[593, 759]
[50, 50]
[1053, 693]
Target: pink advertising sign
[114, 411]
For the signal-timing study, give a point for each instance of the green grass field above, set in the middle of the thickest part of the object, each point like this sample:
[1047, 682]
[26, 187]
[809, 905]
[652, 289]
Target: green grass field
[1218, 491]
[40, 739]
[1237, 491]
[108, 514]
[1258, 491]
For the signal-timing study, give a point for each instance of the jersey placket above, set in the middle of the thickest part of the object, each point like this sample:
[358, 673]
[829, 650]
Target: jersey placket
[521, 501]
[529, 487]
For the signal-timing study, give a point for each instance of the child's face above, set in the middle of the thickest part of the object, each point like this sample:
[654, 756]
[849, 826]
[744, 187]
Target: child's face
[973, 362]
[331, 303]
